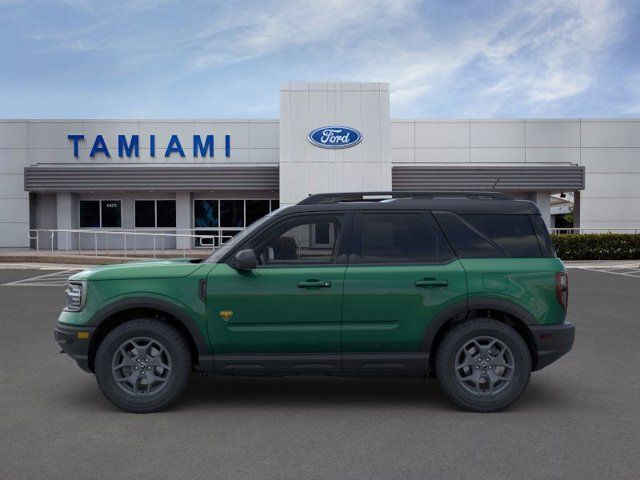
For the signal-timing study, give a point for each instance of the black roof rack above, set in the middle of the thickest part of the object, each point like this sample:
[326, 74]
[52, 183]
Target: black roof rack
[379, 196]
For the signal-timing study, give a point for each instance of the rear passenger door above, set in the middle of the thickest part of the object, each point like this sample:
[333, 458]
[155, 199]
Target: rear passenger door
[401, 273]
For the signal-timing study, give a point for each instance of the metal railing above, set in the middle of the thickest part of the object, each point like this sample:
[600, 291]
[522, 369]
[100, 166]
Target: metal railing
[151, 241]
[580, 231]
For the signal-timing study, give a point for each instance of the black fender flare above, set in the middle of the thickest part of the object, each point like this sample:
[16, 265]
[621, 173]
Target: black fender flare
[462, 309]
[205, 357]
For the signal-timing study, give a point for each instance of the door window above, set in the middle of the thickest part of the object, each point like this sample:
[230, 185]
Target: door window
[301, 241]
[400, 238]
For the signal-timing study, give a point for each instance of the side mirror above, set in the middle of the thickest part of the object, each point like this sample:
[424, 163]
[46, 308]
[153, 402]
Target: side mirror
[245, 260]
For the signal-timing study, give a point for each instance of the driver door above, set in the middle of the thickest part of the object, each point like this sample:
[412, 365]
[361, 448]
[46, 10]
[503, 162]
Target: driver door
[288, 311]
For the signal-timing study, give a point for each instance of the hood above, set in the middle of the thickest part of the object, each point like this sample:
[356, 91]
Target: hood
[140, 270]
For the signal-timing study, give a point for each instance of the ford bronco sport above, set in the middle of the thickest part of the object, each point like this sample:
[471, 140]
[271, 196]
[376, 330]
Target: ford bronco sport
[463, 286]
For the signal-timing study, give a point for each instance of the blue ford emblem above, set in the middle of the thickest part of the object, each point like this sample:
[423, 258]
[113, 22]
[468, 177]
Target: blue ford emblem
[335, 137]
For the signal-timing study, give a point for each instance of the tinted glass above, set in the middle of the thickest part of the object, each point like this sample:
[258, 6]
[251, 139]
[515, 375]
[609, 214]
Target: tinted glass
[256, 209]
[232, 213]
[275, 204]
[205, 213]
[543, 236]
[467, 242]
[514, 234]
[145, 213]
[166, 212]
[90, 214]
[111, 214]
[296, 242]
[401, 238]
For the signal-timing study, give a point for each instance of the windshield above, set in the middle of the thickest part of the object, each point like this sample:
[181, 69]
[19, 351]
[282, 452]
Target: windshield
[240, 237]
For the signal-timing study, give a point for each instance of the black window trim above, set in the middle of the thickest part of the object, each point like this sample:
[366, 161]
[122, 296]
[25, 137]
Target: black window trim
[338, 259]
[353, 258]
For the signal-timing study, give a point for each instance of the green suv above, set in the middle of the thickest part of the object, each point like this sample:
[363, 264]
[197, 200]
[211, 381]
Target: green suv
[463, 286]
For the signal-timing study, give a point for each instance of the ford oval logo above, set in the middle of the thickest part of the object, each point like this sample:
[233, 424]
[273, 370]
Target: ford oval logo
[335, 137]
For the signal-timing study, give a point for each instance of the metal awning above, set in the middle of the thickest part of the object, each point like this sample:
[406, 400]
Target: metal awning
[41, 178]
[553, 178]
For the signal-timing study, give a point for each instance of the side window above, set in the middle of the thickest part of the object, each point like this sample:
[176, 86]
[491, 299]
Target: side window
[466, 241]
[514, 234]
[400, 238]
[304, 240]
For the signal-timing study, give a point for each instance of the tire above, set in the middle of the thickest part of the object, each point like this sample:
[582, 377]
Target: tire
[143, 365]
[471, 365]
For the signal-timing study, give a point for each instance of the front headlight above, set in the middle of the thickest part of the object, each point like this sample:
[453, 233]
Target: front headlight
[75, 296]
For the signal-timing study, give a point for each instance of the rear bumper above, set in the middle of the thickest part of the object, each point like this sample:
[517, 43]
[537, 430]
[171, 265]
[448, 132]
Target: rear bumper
[552, 342]
[73, 345]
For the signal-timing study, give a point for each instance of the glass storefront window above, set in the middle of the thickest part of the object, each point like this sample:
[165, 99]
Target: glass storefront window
[256, 209]
[166, 213]
[89, 214]
[205, 213]
[232, 213]
[145, 213]
[100, 214]
[111, 212]
[155, 213]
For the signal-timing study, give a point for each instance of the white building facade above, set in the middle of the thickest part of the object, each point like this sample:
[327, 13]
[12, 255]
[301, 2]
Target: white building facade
[221, 175]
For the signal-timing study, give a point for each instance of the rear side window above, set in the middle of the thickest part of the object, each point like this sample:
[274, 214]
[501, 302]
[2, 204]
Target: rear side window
[514, 234]
[543, 236]
[467, 241]
[491, 235]
[399, 238]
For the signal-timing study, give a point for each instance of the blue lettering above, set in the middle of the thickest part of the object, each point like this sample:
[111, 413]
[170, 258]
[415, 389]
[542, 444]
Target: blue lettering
[203, 149]
[152, 145]
[174, 147]
[128, 149]
[227, 146]
[99, 146]
[75, 139]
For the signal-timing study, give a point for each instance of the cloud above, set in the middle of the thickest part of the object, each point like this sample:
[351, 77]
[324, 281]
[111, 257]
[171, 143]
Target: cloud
[441, 58]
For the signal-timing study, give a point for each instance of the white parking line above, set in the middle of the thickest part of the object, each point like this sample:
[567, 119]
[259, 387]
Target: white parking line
[54, 279]
[623, 270]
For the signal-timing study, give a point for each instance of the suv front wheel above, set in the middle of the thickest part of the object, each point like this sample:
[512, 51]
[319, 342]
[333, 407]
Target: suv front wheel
[483, 365]
[143, 365]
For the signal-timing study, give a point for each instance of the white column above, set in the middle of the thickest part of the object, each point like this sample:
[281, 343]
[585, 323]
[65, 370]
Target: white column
[541, 199]
[183, 219]
[305, 168]
[66, 218]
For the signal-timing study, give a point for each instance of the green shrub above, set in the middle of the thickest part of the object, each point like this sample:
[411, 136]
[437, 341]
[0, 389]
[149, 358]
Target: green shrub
[597, 246]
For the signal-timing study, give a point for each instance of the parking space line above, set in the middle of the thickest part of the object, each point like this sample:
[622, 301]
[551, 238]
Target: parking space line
[54, 279]
[622, 270]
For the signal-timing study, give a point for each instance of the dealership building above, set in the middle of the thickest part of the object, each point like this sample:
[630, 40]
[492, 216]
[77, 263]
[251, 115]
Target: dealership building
[202, 176]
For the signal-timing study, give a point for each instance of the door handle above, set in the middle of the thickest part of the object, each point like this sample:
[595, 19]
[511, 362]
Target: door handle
[431, 282]
[314, 284]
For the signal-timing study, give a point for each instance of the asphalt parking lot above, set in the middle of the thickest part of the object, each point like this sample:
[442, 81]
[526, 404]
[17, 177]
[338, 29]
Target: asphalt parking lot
[579, 418]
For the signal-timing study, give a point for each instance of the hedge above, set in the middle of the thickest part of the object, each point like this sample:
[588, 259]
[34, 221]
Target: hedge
[597, 246]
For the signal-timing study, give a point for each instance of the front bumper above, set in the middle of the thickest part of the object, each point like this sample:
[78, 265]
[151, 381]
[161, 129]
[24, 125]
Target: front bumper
[552, 342]
[75, 341]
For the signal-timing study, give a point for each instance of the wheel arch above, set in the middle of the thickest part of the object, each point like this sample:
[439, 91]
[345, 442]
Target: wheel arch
[121, 311]
[504, 311]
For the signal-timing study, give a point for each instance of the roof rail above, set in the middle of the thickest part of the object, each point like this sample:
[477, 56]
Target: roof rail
[379, 196]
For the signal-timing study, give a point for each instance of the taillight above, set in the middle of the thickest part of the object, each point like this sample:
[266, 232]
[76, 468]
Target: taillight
[562, 289]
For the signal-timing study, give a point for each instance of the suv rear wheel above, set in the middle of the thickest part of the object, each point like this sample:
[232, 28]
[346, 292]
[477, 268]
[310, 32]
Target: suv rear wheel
[143, 365]
[483, 365]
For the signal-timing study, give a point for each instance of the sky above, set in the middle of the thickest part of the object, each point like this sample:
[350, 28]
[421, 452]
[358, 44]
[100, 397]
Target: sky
[227, 59]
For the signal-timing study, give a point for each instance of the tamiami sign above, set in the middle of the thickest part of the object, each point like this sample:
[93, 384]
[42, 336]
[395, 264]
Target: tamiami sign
[129, 146]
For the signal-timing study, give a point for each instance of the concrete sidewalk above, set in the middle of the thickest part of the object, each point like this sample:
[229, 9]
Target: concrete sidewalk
[89, 257]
